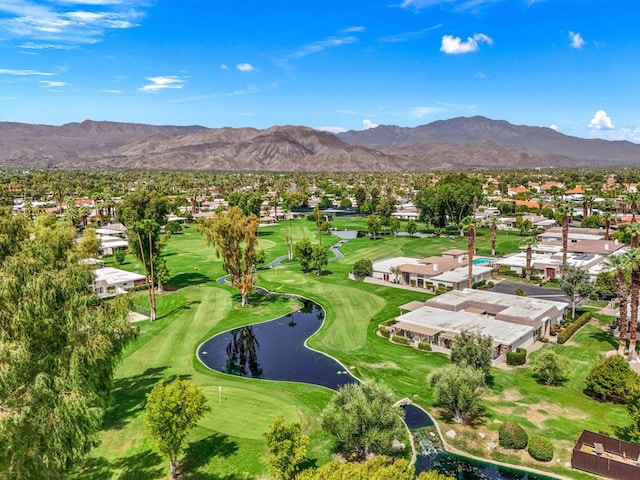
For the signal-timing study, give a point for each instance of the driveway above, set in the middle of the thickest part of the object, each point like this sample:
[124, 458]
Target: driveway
[534, 291]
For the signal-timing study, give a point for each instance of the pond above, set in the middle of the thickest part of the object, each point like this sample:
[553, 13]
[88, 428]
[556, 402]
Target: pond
[276, 350]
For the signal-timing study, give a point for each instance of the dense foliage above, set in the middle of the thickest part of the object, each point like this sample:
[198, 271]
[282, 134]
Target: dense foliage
[364, 420]
[472, 350]
[362, 268]
[450, 200]
[459, 391]
[610, 377]
[550, 368]
[286, 449]
[58, 348]
[512, 436]
[540, 448]
[567, 332]
[517, 357]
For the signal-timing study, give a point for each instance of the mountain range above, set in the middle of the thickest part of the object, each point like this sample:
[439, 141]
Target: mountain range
[463, 142]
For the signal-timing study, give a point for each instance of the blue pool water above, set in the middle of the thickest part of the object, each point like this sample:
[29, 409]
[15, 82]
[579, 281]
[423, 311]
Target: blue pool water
[482, 261]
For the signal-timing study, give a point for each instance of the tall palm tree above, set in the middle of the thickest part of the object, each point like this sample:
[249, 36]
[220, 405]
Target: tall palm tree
[528, 242]
[633, 198]
[470, 224]
[634, 261]
[494, 233]
[634, 229]
[620, 264]
[606, 220]
[566, 210]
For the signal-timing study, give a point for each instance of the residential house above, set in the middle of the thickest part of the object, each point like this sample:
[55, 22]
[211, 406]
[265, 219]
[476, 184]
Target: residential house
[110, 282]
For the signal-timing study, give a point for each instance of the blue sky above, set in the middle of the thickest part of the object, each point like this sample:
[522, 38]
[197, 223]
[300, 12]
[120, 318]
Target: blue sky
[350, 64]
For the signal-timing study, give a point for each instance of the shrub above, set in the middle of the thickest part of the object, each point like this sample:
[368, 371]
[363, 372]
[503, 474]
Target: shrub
[519, 357]
[400, 339]
[573, 327]
[540, 449]
[362, 268]
[512, 436]
[424, 346]
[384, 332]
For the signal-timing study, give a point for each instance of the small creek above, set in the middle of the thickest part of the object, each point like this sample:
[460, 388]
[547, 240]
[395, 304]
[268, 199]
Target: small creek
[276, 350]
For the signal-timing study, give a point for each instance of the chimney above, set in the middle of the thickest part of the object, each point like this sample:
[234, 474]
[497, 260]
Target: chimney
[615, 242]
[606, 246]
[436, 267]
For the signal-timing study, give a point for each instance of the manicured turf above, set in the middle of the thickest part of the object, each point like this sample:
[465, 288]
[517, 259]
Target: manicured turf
[228, 442]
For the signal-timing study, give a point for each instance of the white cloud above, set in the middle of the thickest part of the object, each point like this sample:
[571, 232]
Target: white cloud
[162, 83]
[114, 92]
[601, 121]
[419, 4]
[576, 40]
[454, 45]
[356, 29]
[245, 67]
[332, 129]
[367, 124]
[44, 46]
[554, 127]
[420, 112]
[223, 67]
[65, 21]
[50, 84]
[631, 134]
[6, 71]
[321, 45]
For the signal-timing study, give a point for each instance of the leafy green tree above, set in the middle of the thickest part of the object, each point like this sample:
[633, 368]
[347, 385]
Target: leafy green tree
[249, 202]
[394, 226]
[304, 251]
[377, 468]
[172, 409]
[576, 283]
[59, 345]
[362, 268]
[286, 447]
[234, 236]
[459, 390]
[89, 243]
[412, 227]
[450, 200]
[119, 255]
[472, 350]
[363, 419]
[373, 225]
[592, 221]
[632, 401]
[550, 368]
[143, 212]
[14, 229]
[260, 258]
[345, 203]
[385, 207]
[610, 377]
[319, 258]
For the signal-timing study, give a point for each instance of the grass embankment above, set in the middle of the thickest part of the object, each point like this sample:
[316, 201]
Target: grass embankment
[228, 443]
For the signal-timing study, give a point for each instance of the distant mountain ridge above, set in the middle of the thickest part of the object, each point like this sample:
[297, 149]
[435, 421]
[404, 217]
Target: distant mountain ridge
[463, 142]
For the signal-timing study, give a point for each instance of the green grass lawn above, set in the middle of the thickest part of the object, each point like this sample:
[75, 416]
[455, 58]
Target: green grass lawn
[228, 443]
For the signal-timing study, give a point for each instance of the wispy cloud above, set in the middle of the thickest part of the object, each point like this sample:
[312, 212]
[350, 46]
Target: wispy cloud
[50, 84]
[6, 71]
[455, 46]
[162, 83]
[576, 40]
[356, 29]
[223, 67]
[67, 21]
[421, 112]
[601, 121]
[408, 36]
[246, 67]
[321, 45]
[113, 92]
[332, 129]
[420, 4]
[45, 46]
[469, 6]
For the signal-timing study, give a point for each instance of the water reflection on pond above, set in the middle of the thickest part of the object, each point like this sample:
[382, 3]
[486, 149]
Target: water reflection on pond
[275, 350]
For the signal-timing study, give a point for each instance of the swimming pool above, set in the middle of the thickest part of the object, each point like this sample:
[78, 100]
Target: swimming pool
[482, 260]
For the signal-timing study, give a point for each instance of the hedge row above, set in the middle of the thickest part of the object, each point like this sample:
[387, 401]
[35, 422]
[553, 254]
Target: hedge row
[400, 339]
[573, 327]
[426, 346]
[384, 332]
[519, 357]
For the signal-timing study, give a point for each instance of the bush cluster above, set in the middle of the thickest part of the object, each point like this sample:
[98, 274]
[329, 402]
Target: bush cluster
[540, 448]
[384, 332]
[519, 357]
[400, 339]
[512, 436]
[573, 327]
[426, 346]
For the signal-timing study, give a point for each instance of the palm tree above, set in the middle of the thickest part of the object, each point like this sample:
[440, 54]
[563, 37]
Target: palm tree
[634, 229]
[494, 232]
[620, 263]
[606, 220]
[470, 224]
[634, 261]
[633, 198]
[566, 211]
[396, 273]
[528, 242]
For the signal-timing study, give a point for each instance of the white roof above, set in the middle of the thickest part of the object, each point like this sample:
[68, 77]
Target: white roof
[114, 276]
[460, 274]
[500, 331]
[386, 264]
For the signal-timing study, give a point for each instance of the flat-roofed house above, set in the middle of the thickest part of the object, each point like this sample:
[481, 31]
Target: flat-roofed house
[414, 272]
[110, 282]
[510, 320]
